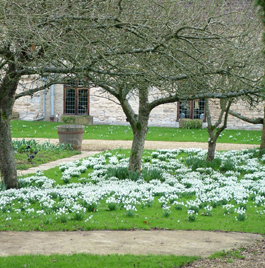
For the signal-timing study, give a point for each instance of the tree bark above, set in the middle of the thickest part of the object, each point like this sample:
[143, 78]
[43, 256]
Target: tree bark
[139, 125]
[139, 133]
[262, 142]
[213, 130]
[7, 99]
[211, 145]
[7, 157]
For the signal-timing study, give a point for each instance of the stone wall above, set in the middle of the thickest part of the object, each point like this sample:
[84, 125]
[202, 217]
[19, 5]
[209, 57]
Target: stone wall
[105, 109]
[29, 107]
[239, 107]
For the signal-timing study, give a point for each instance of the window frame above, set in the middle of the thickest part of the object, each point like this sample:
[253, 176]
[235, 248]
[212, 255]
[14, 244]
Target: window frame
[76, 87]
[192, 102]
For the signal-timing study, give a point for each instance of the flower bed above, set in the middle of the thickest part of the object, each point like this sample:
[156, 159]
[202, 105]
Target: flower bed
[169, 193]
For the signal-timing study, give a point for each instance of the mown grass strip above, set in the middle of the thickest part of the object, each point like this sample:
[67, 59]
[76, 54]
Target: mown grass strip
[91, 261]
[36, 129]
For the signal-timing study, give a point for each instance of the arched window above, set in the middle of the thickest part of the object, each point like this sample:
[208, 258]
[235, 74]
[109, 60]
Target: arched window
[191, 109]
[76, 98]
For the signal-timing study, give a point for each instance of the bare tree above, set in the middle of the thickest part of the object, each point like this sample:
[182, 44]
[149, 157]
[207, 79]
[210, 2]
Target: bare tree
[250, 68]
[30, 46]
[208, 53]
[258, 120]
[159, 51]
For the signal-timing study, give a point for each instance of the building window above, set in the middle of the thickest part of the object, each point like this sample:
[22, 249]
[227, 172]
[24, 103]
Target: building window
[76, 99]
[191, 109]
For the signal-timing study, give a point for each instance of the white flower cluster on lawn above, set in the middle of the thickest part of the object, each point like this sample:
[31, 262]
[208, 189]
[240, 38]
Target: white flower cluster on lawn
[205, 187]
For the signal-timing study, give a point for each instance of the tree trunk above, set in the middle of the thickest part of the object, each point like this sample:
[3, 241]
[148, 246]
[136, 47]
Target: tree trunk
[213, 130]
[139, 133]
[211, 146]
[262, 143]
[7, 157]
[139, 126]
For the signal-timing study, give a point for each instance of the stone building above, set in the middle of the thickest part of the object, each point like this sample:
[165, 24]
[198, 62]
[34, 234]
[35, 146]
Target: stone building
[60, 100]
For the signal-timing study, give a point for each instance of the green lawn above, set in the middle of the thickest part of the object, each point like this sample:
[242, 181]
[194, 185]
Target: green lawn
[95, 261]
[145, 217]
[37, 129]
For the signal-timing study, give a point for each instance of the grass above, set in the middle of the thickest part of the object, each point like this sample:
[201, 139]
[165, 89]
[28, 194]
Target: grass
[230, 254]
[95, 261]
[38, 129]
[144, 218]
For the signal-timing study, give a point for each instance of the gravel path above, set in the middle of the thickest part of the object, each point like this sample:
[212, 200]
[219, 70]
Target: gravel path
[101, 145]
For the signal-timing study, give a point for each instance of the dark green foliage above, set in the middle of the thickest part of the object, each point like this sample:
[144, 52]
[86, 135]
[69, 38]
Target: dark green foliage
[179, 207]
[256, 153]
[90, 207]
[63, 218]
[194, 208]
[23, 184]
[122, 173]
[190, 123]
[2, 186]
[149, 174]
[112, 206]
[78, 216]
[20, 146]
[227, 166]
[195, 162]
[243, 205]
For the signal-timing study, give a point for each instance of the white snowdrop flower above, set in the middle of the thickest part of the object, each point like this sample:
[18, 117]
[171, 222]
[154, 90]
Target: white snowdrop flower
[240, 211]
[164, 207]
[89, 218]
[190, 212]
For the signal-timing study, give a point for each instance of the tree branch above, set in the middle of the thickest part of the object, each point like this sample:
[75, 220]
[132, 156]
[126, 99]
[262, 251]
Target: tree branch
[258, 120]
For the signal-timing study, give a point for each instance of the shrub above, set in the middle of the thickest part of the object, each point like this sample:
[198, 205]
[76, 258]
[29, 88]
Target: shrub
[190, 123]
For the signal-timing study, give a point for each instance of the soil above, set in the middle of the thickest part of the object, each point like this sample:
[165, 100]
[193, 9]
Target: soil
[190, 243]
[200, 243]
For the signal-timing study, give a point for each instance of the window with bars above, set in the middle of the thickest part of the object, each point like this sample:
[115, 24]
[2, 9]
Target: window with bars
[191, 109]
[76, 99]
